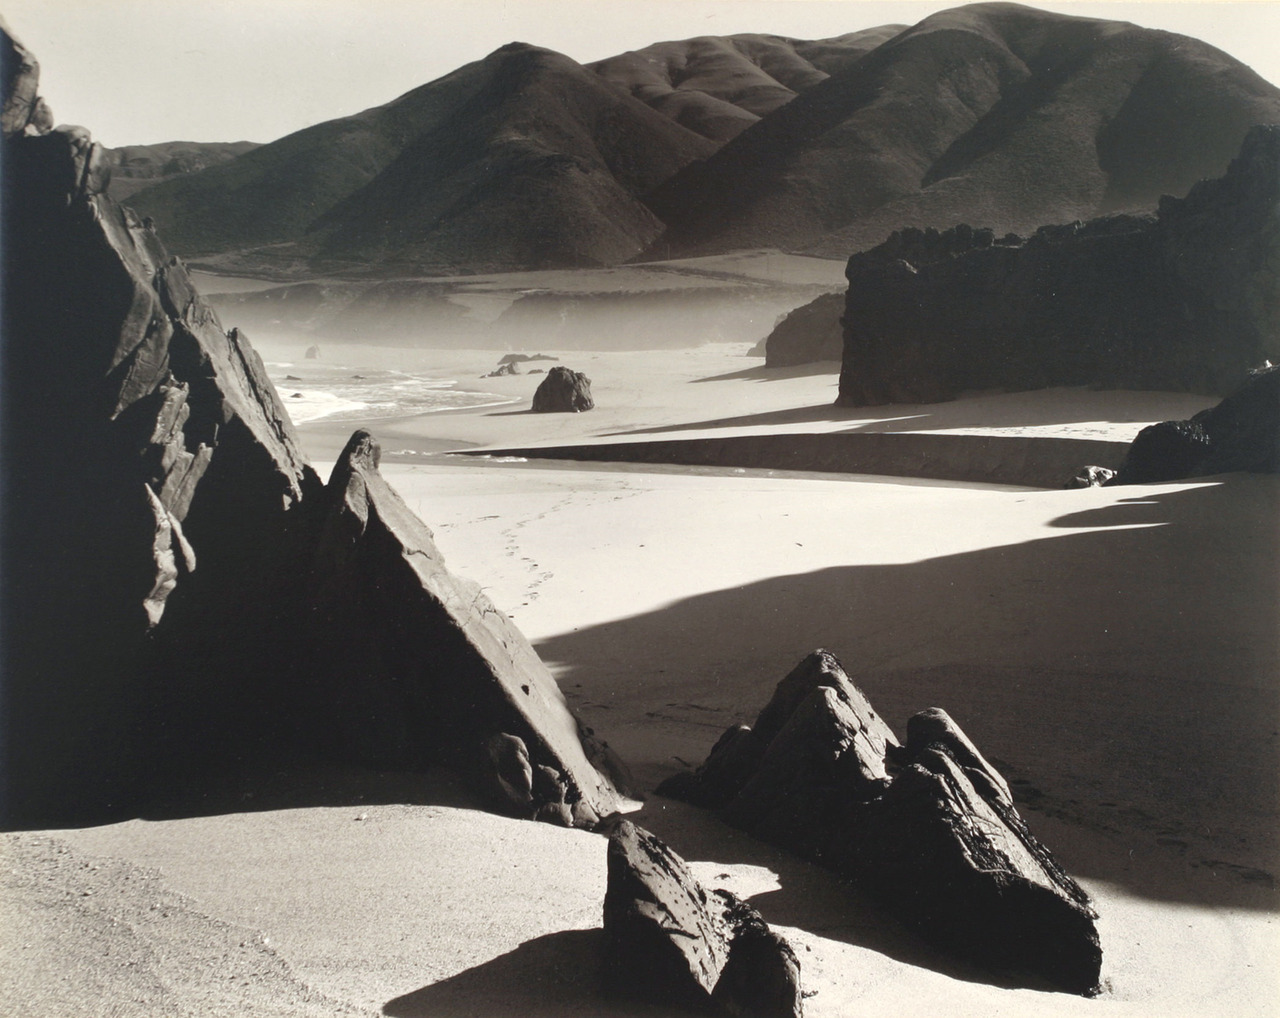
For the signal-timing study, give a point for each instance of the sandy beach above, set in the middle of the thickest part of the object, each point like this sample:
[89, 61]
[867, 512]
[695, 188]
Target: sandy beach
[1115, 652]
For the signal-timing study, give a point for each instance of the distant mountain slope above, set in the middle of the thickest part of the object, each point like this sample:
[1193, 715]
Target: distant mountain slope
[718, 86]
[134, 167]
[542, 164]
[521, 158]
[996, 115]
[993, 114]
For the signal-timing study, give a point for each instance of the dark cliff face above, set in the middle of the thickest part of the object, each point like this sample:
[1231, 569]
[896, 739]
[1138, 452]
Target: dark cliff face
[163, 540]
[152, 483]
[1186, 300]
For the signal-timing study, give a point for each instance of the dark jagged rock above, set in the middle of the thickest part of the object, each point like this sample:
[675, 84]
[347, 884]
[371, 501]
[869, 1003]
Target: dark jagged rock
[507, 368]
[1240, 433]
[929, 828]
[563, 391]
[20, 77]
[669, 940]
[810, 333]
[153, 486]
[1185, 300]
[962, 868]
[181, 595]
[442, 672]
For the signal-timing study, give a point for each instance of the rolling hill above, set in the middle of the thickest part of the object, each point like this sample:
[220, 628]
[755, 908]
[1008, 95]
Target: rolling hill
[996, 115]
[719, 86]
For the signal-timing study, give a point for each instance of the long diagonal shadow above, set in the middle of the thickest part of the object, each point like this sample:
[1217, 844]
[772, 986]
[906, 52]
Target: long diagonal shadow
[1126, 680]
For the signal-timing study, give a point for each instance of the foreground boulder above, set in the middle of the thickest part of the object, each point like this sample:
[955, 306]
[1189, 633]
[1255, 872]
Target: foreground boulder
[563, 391]
[421, 668]
[668, 940]
[153, 489]
[1185, 300]
[929, 829]
[1240, 433]
[183, 601]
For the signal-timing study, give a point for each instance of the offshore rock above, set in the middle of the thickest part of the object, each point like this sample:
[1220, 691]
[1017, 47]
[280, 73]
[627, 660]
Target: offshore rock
[1185, 300]
[668, 940]
[1240, 433]
[443, 675]
[929, 829]
[563, 391]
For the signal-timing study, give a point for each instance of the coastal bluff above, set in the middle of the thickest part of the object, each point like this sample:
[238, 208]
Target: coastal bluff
[1187, 299]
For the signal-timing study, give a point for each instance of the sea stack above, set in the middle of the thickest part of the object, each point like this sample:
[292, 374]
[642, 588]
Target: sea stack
[563, 391]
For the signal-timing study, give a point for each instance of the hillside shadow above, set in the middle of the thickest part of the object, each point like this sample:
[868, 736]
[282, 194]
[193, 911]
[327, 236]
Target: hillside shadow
[1126, 679]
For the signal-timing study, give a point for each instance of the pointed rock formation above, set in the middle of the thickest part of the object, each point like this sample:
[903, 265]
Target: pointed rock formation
[928, 828]
[422, 668]
[180, 593]
[563, 391]
[152, 485]
[669, 940]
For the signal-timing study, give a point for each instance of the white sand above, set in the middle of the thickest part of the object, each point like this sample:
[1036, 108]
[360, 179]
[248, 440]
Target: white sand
[1114, 651]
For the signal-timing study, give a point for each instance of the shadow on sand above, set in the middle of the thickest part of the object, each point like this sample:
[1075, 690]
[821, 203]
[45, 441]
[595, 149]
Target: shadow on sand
[1124, 679]
[763, 374]
[553, 976]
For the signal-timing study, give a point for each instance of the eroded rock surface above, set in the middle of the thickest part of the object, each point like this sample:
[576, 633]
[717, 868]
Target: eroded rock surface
[1185, 300]
[563, 391]
[929, 828]
[182, 597]
[153, 485]
[670, 940]
[422, 668]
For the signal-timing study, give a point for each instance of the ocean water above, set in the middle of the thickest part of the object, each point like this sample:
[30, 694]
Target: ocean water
[313, 391]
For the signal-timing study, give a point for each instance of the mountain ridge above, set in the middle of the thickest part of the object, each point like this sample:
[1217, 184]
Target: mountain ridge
[994, 114]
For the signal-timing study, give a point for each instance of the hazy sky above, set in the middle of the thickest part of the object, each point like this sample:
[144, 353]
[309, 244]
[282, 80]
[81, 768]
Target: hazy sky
[140, 71]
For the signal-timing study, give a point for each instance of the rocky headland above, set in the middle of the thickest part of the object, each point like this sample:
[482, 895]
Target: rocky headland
[1185, 300]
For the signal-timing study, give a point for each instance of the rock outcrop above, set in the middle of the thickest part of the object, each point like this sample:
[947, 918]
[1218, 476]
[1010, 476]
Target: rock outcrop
[176, 578]
[929, 829]
[808, 334]
[1185, 300]
[670, 941]
[563, 391]
[1240, 433]
[443, 675]
[153, 484]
